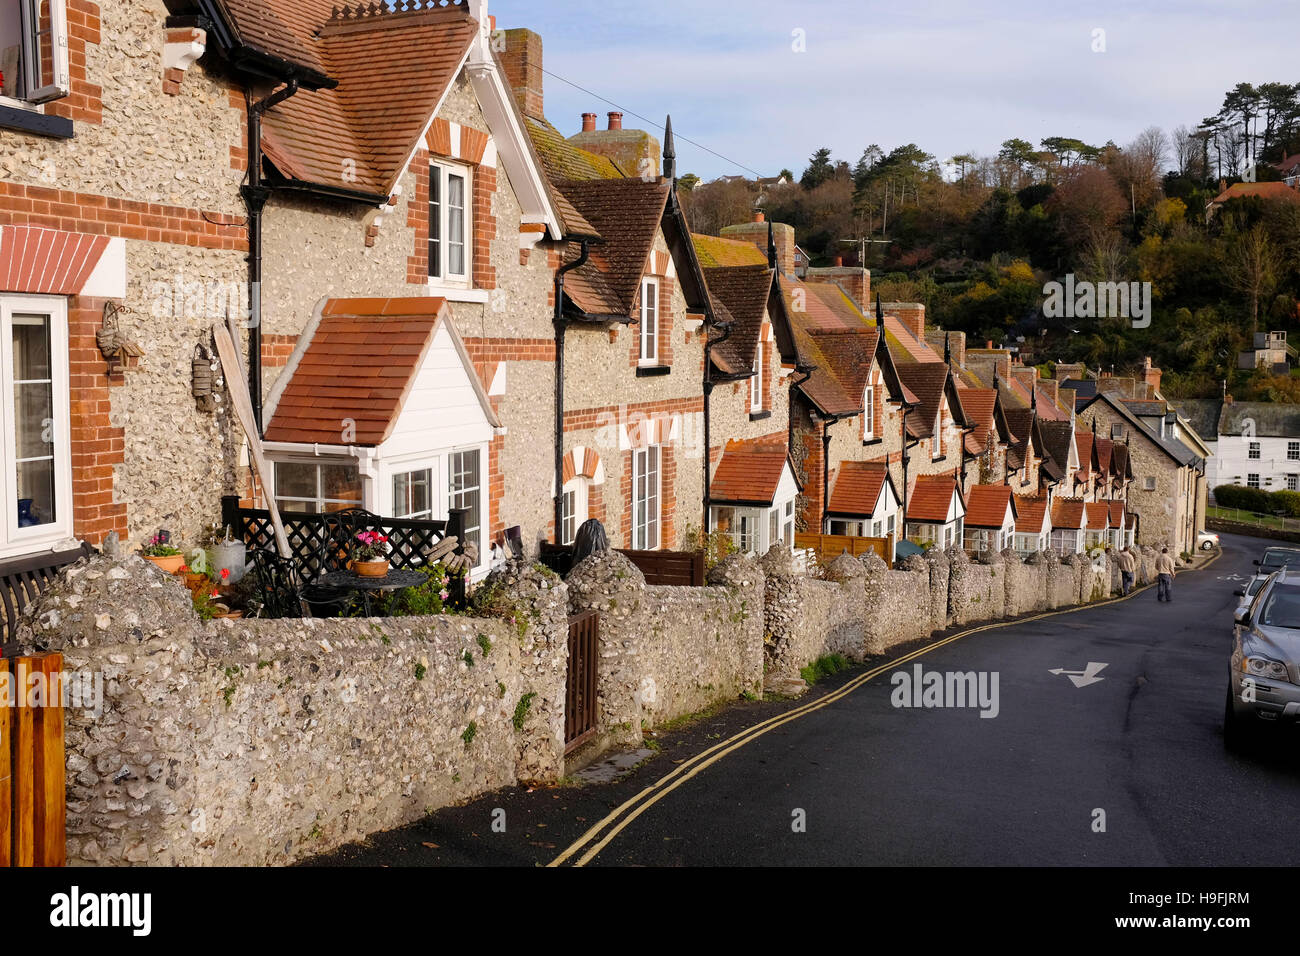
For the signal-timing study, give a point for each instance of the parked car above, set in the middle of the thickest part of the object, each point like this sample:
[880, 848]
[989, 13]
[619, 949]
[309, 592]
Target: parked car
[1207, 540]
[1247, 594]
[1276, 558]
[1264, 675]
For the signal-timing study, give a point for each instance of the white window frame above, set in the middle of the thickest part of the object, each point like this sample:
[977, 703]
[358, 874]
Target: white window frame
[1293, 482]
[869, 412]
[573, 508]
[482, 489]
[1293, 451]
[1252, 480]
[648, 331]
[641, 477]
[444, 276]
[15, 540]
[434, 486]
[1253, 451]
[34, 94]
[756, 380]
[319, 500]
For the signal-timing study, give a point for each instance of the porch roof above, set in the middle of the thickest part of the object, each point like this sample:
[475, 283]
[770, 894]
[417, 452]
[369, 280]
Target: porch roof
[749, 473]
[358, 363]
[857, 487]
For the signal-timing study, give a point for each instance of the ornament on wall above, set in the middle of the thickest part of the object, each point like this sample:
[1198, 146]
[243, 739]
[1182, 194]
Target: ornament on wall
[206, 382]
[113, 342]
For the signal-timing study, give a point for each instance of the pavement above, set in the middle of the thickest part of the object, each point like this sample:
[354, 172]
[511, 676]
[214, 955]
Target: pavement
[1102, 745]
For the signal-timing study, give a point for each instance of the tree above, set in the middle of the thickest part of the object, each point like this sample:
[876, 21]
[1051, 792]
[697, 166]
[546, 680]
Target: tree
[1251, 264]
[1088, 206]
[1139, 166]
[688, 182]
[820, 168]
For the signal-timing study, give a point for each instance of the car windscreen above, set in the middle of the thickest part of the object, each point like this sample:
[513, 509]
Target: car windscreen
[1280, 559]
[1281, 608]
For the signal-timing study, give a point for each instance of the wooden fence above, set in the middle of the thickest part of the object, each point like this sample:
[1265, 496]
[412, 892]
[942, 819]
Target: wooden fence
[828, 547]
[32, 800]
[675, 568]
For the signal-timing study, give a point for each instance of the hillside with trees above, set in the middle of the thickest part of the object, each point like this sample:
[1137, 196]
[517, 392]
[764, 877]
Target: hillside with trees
[976, 237]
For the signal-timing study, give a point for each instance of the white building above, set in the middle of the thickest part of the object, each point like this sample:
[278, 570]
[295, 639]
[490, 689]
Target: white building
[1255, 444]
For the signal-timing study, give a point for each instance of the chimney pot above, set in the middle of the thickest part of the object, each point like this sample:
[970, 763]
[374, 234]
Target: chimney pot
[615, 120]
[588, 122]
[760, 217]
[838, 261]
[988, 344]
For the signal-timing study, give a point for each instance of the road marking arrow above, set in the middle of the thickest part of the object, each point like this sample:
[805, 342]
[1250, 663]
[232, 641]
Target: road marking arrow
[1084, 677]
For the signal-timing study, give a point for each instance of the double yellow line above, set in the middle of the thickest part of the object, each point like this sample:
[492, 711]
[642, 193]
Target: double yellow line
[622, 816]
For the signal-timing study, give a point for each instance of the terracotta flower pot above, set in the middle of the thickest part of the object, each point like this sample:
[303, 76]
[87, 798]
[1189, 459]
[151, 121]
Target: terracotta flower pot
[171, 564]
[370, 569]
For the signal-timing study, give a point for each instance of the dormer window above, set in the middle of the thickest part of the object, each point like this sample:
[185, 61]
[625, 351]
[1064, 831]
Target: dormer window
[649, 354]
[33, 51]
[756, 382]
[449, 226]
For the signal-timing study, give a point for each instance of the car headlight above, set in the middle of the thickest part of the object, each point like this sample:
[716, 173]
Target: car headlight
[1264, 667]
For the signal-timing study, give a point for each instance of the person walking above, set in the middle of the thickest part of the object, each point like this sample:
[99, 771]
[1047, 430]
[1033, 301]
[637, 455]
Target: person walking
[1127, 566]
[1164, 576]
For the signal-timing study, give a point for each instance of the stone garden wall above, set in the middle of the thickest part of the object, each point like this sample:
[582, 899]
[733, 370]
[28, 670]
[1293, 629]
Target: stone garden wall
[257, 742]
[261, 742]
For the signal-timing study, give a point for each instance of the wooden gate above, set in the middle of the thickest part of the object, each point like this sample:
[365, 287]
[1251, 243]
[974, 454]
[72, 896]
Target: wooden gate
[580, 683]
[32, 800]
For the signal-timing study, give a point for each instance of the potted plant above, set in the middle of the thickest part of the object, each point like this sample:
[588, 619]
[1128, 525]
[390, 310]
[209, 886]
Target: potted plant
[370, 555]
[160, 552]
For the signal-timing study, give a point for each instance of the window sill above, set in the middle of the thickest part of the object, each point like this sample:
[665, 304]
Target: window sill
[759, 416]
[651, 371]
[30, 121]
[457, 294]
[871, 441]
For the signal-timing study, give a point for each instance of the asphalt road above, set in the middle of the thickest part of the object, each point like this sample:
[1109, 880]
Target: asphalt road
[873, 783]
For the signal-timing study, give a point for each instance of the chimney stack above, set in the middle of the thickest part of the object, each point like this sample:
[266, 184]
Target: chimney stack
[588, 122]
[615, 120]
[521, 58]
[756, 232]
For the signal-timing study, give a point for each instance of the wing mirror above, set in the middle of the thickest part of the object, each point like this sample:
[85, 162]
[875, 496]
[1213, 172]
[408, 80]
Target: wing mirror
[1242, 617]
[1239, 593]
[1255, 562]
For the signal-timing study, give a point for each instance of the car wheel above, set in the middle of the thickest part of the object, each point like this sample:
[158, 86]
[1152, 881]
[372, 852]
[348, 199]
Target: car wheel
[1235, 737]
[1207, 546]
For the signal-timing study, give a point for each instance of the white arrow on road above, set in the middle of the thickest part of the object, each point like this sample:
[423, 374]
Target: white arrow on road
[1084, 677]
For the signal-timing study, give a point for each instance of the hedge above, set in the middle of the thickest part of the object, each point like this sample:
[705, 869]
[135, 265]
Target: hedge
[1257, 499]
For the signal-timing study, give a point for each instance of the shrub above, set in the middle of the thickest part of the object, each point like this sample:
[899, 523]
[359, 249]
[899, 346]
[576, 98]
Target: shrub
[1288, 501]
[1246, 499]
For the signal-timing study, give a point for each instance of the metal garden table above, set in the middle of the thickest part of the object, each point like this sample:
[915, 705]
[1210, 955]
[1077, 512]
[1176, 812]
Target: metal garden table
[395, 580]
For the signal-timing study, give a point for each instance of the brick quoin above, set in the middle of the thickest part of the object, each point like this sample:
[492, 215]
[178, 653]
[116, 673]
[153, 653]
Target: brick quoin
[484, 223]
[96, 446]
[92, 214]
[239, 151]
[85, 102]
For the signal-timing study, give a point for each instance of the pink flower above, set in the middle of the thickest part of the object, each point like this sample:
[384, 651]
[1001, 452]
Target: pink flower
[225, 573]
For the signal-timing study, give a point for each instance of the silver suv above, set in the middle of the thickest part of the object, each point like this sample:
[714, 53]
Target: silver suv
[1264, 681]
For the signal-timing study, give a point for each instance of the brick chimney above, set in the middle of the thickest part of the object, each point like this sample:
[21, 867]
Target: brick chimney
[1025, 375]
[615, 120]
[521, 57]
[1151, 375]
[756, 232]
[1066, 370]
[588, 122]
[991, 365]
[911, 314]
[635, 152]
[856, 282]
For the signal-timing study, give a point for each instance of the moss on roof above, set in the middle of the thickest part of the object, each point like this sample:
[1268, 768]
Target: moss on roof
[562, 159]
[715, 252]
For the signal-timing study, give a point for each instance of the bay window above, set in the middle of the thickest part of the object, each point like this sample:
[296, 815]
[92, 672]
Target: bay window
[449, 226]
[645, 498]
[413, 494]
[33, 50]
[317, 487]
[36, 477]
[464, 490]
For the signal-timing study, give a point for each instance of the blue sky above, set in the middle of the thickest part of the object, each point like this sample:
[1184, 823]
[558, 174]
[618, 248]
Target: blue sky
[950, 76]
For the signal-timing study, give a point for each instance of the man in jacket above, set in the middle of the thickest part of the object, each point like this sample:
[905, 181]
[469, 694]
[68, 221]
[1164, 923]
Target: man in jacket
[1127, 565]
[1164, 576]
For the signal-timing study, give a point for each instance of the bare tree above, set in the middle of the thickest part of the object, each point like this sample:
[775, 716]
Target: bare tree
[1251, 264]
[1139, 167]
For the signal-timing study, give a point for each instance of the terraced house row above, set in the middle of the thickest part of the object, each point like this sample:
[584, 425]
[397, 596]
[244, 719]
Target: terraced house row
[443, 304]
